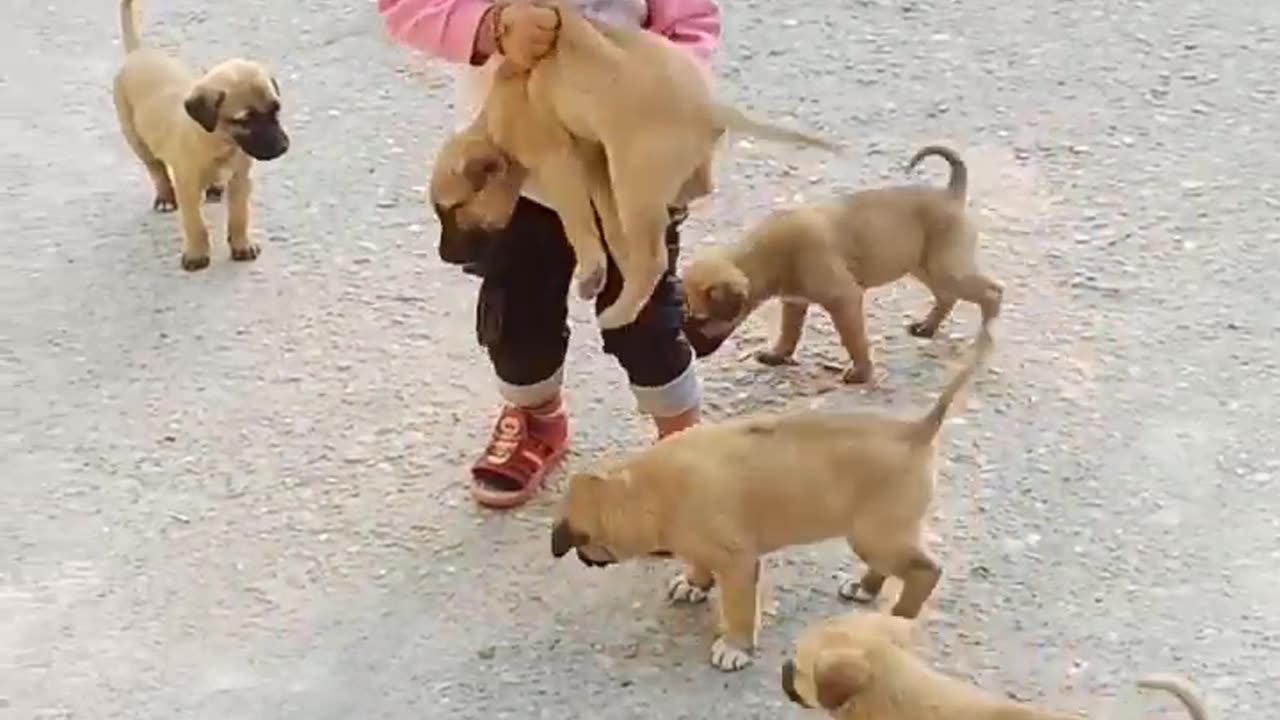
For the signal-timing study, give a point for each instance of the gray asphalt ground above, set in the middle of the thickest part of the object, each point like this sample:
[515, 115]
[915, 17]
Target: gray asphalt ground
[239, 494]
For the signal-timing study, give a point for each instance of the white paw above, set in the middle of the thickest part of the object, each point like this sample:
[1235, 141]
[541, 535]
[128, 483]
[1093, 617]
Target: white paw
[852, 591]
[728, 658]
[681, 590]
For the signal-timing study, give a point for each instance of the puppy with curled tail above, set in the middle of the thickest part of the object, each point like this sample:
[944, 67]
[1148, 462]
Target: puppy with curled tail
[719, 496]
[829, 253]
[861, 666]
[194, 132]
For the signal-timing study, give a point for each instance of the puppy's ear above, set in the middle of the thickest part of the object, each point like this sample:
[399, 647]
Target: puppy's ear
[725, 301]
[203, 106]
[478, 169]
[838, 675]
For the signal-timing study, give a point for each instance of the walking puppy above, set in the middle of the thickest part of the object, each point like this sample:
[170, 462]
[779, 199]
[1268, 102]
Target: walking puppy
[191, 132]
[614, 121]
[861, 667]
[830, 252]
[719, 496]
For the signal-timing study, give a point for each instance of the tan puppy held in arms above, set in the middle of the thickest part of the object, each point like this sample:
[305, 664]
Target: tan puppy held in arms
[718, 496]
[190, 132]
[830, 252]
[861, 667]
[615, 120]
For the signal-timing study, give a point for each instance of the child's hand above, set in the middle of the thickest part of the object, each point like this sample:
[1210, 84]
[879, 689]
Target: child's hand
[524, 32]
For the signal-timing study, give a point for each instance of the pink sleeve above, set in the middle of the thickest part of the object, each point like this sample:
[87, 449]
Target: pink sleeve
[443, 28]
[692, 24]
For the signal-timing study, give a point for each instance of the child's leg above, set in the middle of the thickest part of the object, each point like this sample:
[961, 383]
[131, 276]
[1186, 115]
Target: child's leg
[653, 350]
[521, 314]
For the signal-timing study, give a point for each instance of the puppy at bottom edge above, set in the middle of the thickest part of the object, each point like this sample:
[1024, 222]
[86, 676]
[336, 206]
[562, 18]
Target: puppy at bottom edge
[861, 667]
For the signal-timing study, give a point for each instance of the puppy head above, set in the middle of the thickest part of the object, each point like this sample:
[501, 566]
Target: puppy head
[474, 188]
[716, 290]
[833, 662]
[599, 519]
[240, 99]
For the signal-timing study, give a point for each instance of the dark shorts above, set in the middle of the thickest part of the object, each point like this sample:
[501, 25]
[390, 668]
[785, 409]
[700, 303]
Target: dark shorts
[522, 310]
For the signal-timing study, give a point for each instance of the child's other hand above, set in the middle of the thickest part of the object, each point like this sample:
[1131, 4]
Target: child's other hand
[526, 32]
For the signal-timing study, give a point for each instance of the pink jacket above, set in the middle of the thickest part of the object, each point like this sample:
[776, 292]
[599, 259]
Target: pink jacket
[447, 28]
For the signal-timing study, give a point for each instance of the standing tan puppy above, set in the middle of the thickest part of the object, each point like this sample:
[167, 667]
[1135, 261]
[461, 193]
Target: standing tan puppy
[720, 495]
[830, 252]
[861, 667]
[192, 131]
[618, 122]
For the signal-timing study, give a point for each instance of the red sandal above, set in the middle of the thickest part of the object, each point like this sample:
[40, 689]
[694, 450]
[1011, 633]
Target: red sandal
[524, 446]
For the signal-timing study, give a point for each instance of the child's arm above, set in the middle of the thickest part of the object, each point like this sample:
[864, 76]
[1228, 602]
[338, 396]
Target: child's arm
[452, 30]
[692, 24]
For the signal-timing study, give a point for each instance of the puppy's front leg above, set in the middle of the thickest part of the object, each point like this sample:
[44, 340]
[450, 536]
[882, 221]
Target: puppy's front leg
[739, 615]
[239, 189]
[195, 236]
[789, 329]
[848, 316]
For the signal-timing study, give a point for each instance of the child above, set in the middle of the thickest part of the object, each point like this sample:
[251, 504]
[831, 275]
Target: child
[527, 268]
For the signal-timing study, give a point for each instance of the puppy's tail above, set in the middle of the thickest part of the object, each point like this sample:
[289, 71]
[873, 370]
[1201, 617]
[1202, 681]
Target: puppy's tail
[958, 185]
[731, 118]
[1180, 689]
[927, 427]
[129, 26]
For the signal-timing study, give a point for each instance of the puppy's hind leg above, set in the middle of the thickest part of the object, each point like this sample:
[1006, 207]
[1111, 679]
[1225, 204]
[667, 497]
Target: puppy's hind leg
[789, 328]
[643, 185]
[568, 189]
[952, 272]
[943, 304]
[165, 200]
[739, 615]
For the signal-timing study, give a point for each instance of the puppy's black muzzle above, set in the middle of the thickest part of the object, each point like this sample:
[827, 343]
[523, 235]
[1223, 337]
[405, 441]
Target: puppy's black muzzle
[789, 683]
[700, 340]
[592, 563]
[472, 248]
[262, 138]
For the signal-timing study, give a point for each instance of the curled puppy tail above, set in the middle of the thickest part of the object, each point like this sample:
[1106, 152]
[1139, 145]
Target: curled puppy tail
[958, 185]
[926, 428]
[731, 118]
[129, 26]
[1179, 688]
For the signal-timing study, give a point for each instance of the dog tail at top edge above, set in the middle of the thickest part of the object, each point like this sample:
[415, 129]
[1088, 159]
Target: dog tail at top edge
[926, 428]
[129, 26]
[958, 184]
[731, 118]
[1179, 688]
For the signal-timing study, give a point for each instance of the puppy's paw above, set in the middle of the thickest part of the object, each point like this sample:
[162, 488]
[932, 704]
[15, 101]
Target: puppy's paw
[616, 316]
[213, 194]
[680, 590]
[773, 358]
[858, 375]
[164, 204]
[244, 253]
[726, 657]
[853, 591]
[191, 263]
[921, 329]
[591, 281]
